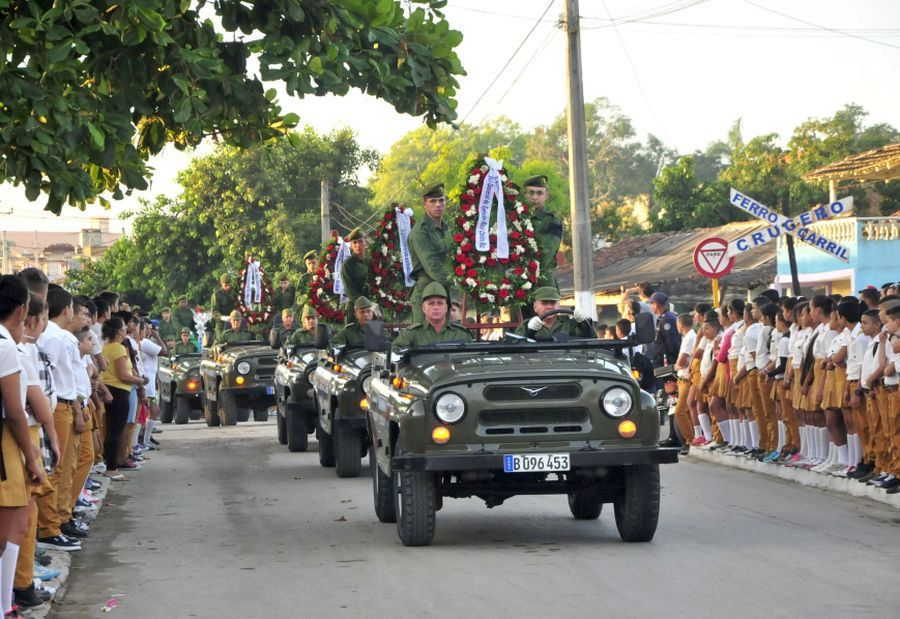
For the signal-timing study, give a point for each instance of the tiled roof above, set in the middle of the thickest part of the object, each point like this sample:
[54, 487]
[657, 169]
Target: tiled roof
[878, 164]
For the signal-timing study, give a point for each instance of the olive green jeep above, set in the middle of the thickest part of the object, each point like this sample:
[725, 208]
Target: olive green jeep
[294, 399]
[179, 388]
[237, 378]
[493, 420]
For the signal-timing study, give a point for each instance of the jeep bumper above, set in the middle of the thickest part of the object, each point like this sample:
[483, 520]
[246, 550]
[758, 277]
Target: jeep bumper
[491, 461]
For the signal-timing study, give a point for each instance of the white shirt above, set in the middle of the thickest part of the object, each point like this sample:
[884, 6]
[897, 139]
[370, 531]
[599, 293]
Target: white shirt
[892, 358]
[688, 341]
[855, 352]
[823, 342]
[139, 370]
[798, 349]
[150, 358]
[97, 330]
[83, 379]
[736, 340]
[748, 346]
[29, 377]
[34, 352]
[706, 361]
[869, 363]
[784, 350]
[61, 347]
[764, 346]
[841, 340]
[10, 362]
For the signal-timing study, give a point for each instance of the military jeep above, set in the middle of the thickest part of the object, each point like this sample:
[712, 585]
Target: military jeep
[297, 411]
[493, 420]
[237, 378]
[341, 428]
[179, 388]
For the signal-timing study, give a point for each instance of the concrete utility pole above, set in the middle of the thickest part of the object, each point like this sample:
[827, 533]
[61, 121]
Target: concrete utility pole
[325, 208]
[4, 248]
[582, 253]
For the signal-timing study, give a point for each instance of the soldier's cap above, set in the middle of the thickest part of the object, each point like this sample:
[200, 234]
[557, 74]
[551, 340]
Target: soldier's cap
[546, 293]
[309, 312]
[434, 192]
[185, 330]
[181, 298]
[235, 314]
[355, 235]
[225, 278]
[659, 297]
[310, 255]
[287, 312]
[434, 289]
[282, 277]
[536, 181]
[362, 303]
[165, 309]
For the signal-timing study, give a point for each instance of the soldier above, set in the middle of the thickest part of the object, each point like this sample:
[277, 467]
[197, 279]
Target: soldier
[307, 335]
[355, 270]
[279, 336]
[284, 297]
[222, 303]
[237, 332]
[430, 245]
[436, 326]
[168, 330]
[352, 336]
[312, 264]
[543, 327]
[183, 316]
[185, 346]
[548, 228]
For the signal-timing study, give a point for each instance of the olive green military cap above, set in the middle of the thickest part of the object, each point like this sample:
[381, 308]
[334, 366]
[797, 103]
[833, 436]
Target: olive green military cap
[235, 314]
[536, 181]
[225, 278]
[434, 192]
[434, 289]
[355, 235]
[185, 331]
[165, 309]
[281, 277]
[310, 255]
[362, 303]
[309, 312]
[287, 312]
[546, 293]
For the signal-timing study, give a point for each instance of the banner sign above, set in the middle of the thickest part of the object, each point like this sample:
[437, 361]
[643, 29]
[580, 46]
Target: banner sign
[798, 226]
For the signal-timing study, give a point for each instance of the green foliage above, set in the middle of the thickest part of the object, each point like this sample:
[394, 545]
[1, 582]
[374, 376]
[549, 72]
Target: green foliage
[92, 89]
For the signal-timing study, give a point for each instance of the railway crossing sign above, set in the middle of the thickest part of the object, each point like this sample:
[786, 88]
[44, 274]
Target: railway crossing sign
[797, 226]
[711, 258]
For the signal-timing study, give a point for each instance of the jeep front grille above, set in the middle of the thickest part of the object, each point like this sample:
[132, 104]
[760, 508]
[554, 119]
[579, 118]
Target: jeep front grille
[267, 361]
[574, 420]
[518, 393]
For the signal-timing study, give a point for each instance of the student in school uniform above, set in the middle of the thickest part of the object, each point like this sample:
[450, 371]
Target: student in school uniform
[861, 337]
[839, 426]
[793, 383]
[683, 373]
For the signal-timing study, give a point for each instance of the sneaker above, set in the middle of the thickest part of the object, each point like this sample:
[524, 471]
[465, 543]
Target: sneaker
[100, 467]
[28, 598]
[157, 431]
[70, 530]
[154, 441]
[58, 542]
[45, 573]
[877, 481]
[698, 442]
[894, 490]
[116, 476]
[93, 486]
[83, 503]
[131, 465]
[865, 479]
[890, 484]
[843, 471]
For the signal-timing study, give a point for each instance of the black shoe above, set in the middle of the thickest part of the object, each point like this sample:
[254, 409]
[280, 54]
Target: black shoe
[891, 484]
[28, 598]
[70, 530]
[154, 441]
[894, 489]
[670, 442]
[59, 542]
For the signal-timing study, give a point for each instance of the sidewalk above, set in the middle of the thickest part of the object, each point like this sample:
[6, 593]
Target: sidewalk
[800, 476]
[62, 561]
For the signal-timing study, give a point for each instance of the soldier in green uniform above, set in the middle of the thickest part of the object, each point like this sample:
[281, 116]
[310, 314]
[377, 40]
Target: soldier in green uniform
[222, 303]
[237, 332]
[352, 335]
[185, 345]
[183, 316]
[355, 270]
[307, 335]
[168, 330]
[279, 335]
[311, 259]
[430, 245]
[284, 297]
[538, 327]
[436, 326]
[548, 228]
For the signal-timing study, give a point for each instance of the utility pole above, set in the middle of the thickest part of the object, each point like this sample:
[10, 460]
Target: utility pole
[325, 209]
[4, 247]
[582, 253]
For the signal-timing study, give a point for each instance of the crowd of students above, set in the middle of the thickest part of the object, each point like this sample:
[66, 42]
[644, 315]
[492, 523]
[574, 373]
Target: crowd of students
[78, 389]
[810, 383]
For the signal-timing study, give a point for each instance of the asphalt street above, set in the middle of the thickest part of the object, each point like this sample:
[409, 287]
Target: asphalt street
[224, 522]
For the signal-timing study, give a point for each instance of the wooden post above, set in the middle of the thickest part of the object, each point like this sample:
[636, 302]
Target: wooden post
[325, 210]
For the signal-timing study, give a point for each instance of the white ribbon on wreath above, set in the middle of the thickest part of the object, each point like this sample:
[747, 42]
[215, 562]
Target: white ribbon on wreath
[342, 254]
[253, 284]
[492, 187]
[404, 225]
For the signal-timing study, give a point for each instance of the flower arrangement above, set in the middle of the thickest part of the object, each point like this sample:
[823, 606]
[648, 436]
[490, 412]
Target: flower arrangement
[321, 289]
[386, 279]
[253, 274]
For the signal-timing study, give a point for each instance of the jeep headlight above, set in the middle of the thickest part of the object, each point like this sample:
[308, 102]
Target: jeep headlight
[243, 367]
[450, 408]
[365, 384]
[616, 402]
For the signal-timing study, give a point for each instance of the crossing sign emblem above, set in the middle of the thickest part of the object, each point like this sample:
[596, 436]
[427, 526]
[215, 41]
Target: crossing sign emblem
[711, 258]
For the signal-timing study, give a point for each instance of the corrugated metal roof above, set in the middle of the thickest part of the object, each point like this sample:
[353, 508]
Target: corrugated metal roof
[668, 258]
[877, 164]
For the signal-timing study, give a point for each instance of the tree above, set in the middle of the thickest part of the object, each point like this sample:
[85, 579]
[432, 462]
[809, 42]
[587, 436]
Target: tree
[92, 89]
[682, 201]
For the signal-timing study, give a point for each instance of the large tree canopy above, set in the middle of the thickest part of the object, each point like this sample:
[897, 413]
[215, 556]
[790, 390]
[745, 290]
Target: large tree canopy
[91, 89]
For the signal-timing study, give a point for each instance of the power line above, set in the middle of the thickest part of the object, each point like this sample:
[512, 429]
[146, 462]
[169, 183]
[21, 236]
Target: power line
[527, 65]
[507, 63]
[821, 27]
[661, 11]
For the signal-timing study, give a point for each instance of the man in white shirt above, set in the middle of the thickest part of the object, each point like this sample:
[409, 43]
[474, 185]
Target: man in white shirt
[151, 347]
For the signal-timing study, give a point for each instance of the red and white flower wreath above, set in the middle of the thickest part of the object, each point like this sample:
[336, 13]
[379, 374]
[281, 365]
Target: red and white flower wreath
[255, 312]
[321, 288]
[489, 280]
[386, 272]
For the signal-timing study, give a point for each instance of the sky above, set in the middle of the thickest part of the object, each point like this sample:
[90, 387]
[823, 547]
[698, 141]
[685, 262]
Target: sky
[683, 70]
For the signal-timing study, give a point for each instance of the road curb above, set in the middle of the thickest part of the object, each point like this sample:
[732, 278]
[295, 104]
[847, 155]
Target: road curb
[800, 476]
[62, 561]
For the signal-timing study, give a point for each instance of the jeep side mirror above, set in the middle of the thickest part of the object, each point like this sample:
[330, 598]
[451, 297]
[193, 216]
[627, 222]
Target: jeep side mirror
[644, 330]
[322, 337]
[375, 339]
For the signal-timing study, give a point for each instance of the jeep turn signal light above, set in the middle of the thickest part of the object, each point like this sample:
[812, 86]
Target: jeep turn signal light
[239, 380]
[627, 428]
[364, 404]
[441, 435]
[337, 367]
[399, 383]
[192, 385]
[636, 374]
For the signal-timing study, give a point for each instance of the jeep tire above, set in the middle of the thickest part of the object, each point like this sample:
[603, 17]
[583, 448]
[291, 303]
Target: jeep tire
[228, 411]
[281, 424]
[261, 413]
[182, 410]
[243, 413]
[416, 506]
[585, 504]
[347, 447]
[295, 426]
[210, 414]
[326, 447]
[384, 494]
[166, 408]
[637, 508]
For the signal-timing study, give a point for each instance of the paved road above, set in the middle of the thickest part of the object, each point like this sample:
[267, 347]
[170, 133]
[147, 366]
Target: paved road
[226, 523]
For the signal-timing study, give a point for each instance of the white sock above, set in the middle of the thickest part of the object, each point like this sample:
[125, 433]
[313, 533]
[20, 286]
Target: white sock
[697, 431]
[844, 454]
[8, 574]
[745, 434]
[813, 442]
[151, 423]
[725, 428]
[754, 434]
[804, 442]
[854, 456]
[782, 436]
[826, 442]
[706, 425]
[134, 440]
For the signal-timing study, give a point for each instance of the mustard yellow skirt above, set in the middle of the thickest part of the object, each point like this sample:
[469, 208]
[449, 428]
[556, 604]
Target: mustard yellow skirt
[835, 385]
[14, 490]
[719, 388]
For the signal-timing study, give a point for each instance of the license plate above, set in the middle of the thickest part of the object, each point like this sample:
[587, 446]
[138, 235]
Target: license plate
[535, 463]
[270, 390]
